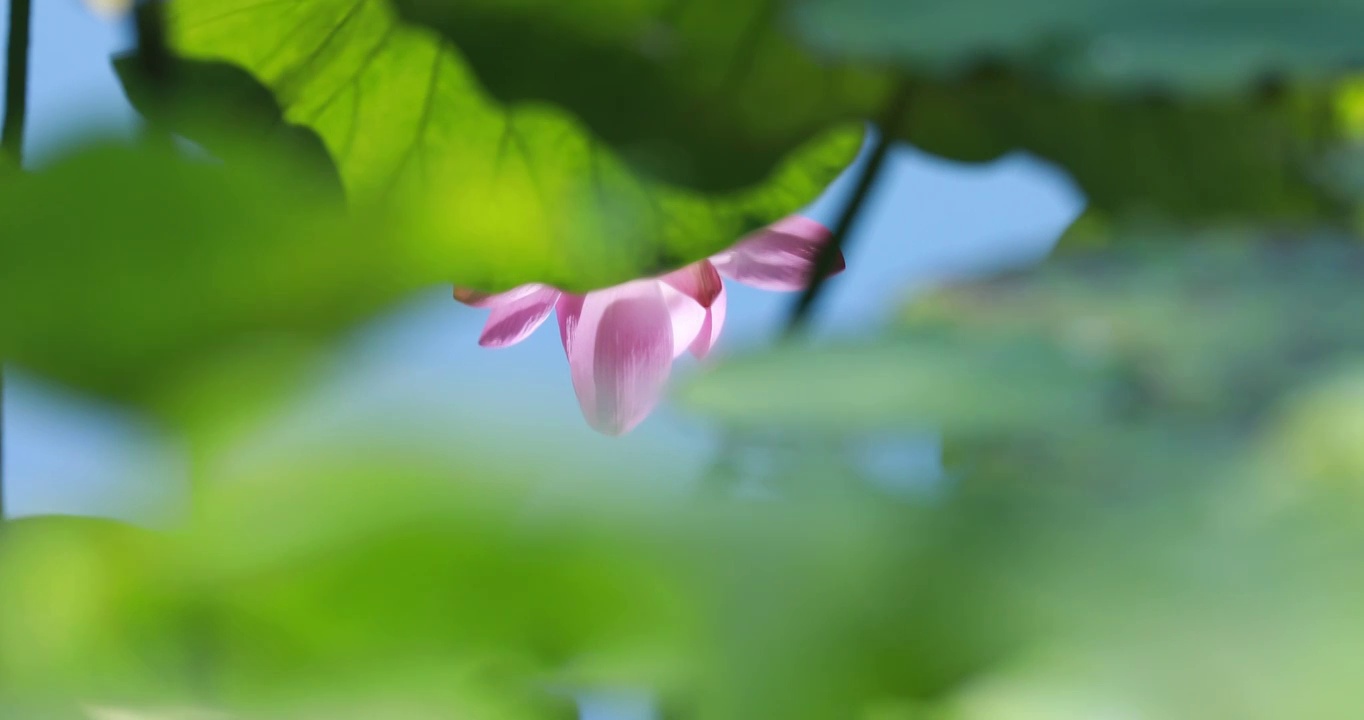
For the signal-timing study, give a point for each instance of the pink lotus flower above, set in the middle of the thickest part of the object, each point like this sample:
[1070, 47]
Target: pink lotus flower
[621, 341]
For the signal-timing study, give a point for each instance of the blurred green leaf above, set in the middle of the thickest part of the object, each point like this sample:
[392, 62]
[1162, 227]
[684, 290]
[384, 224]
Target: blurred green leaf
[495, 196]
[122, 269]
[224, 110]
[1208, 328]
[1252, 624]
[405, 571]
[442, 601]
[96, 712]
[1217, 46]
[951, 381]
[1203, 158]
[79, 612]
[715, 91]
[1214, 326]
[1153, 107]
[1313, 445]
[707, 93]
[368, 583]
[854, 603]
[414, 591]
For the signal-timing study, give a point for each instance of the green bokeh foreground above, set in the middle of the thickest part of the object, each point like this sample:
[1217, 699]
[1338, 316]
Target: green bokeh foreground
[1151, 507]
[1153, 466]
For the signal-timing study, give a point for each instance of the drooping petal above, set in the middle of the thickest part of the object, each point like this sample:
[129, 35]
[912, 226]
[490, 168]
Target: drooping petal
[569, 309]
[687, 317]
[779, 257]
[710, 329]
[620, 353]
[479, 299]
[699, 281]
[513, 320]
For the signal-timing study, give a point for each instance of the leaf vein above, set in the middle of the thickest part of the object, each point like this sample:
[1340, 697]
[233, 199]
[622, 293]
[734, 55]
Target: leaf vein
[365, 64]
[202, 22]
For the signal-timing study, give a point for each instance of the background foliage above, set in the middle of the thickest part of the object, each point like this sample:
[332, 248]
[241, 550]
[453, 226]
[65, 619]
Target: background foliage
[1151, 507]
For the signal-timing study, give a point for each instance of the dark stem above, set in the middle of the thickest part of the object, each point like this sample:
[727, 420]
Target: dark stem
[721, 478]
[16, 80]
[149, 20]
[155, 64]
[889, 123]
[12, 144]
